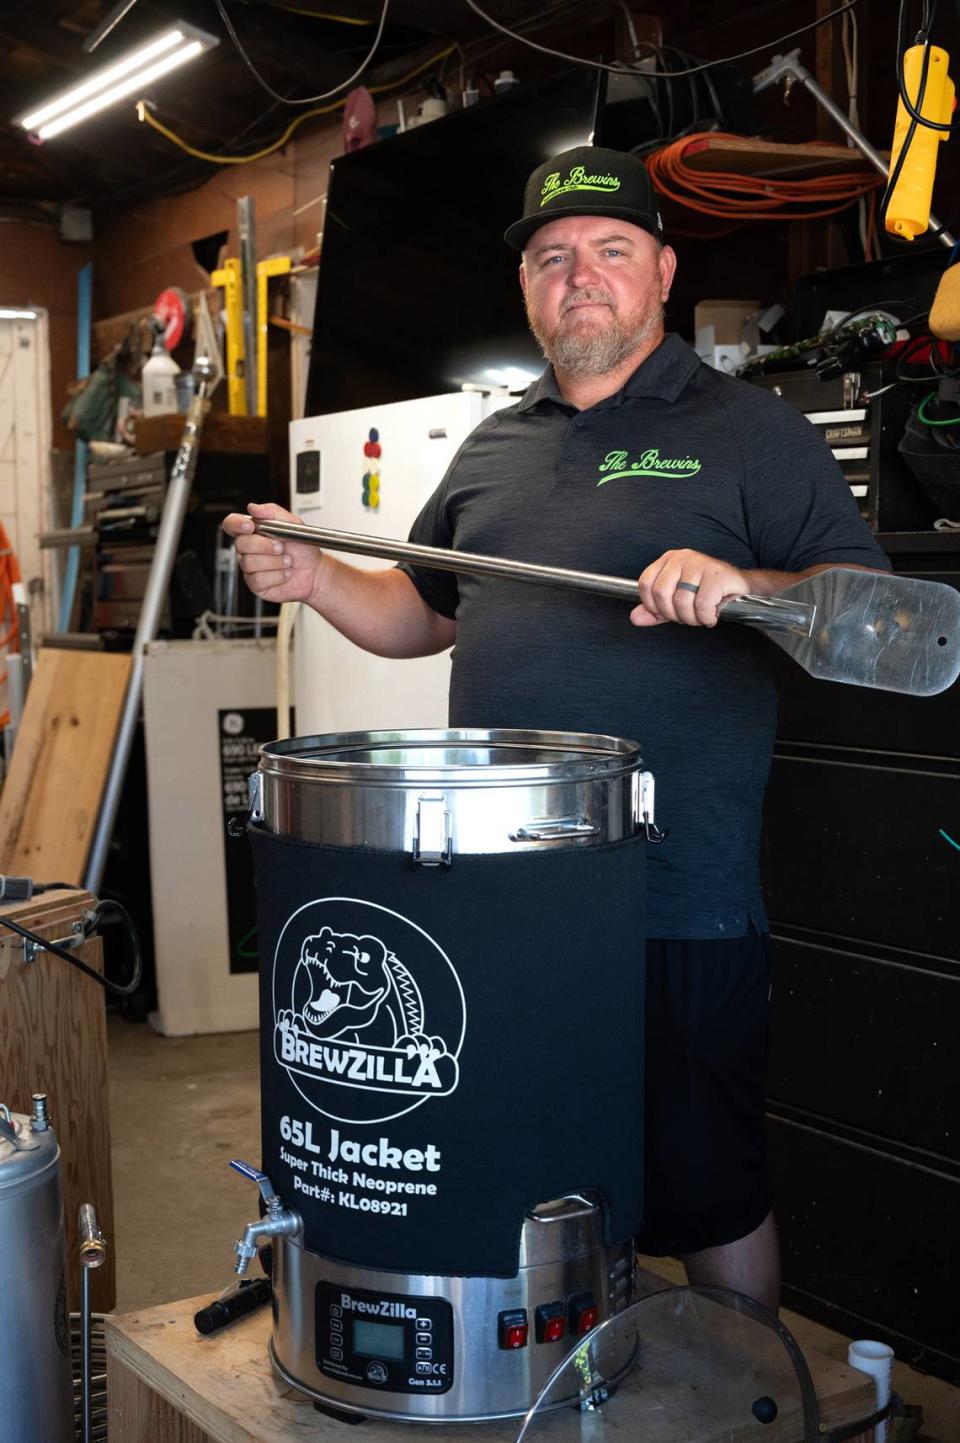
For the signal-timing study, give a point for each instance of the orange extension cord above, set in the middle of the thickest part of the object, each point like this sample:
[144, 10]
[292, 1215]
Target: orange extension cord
[9, 573]
[741, 198]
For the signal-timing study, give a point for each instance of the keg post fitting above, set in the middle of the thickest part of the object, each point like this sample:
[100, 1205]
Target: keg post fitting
[93, 1247]
[279, 1222]
[93, 1251]
[40, 1117]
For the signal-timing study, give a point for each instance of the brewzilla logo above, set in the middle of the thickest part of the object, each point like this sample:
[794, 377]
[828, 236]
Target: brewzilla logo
[369, 1014]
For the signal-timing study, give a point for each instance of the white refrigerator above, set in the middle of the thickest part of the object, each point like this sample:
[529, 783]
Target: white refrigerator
[371, 470]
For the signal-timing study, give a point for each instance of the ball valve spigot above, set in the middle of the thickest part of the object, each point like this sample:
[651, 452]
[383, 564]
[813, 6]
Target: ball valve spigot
[279, 1222]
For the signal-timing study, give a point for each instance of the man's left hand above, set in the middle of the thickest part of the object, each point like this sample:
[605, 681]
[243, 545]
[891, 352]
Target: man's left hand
[686, 586]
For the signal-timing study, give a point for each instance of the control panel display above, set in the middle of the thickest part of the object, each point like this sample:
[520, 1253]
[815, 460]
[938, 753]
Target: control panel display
[392, 1342]
[378, 1340]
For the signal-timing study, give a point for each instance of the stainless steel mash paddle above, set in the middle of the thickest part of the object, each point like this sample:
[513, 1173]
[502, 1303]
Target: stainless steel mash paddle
[865, 628]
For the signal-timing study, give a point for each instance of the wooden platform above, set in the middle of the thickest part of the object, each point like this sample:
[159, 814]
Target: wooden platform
[166, 1384]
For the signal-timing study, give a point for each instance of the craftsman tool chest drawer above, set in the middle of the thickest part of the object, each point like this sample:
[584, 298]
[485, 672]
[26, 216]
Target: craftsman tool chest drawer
[859, 845]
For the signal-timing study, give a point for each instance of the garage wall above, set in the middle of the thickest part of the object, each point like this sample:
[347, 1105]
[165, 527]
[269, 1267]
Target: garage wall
[38, 268]
[149, 246]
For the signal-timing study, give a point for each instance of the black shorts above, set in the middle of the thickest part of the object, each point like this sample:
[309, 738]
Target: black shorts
[706, 1038]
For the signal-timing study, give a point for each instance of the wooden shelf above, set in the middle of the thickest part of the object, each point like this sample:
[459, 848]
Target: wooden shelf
[749, 156]
[221, 432]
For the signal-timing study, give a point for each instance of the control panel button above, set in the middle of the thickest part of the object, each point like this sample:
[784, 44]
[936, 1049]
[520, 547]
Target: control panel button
[424, 1367]
[425, 1338]
[424, 1324]
[512, 1329]
[584, 1314]
[335, 1310]
[550, 1322]
[336, 1326]
[336, 1354]
[424, 1352]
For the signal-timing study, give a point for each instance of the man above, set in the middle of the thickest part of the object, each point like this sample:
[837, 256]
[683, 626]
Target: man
[630, 455]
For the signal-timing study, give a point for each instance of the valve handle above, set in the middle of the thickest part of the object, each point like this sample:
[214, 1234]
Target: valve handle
[253, 1174]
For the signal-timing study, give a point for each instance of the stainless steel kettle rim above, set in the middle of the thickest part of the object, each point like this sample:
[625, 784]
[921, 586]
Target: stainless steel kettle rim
[456, 756]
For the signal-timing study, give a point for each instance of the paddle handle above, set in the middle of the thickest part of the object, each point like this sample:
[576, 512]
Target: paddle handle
[770, 612]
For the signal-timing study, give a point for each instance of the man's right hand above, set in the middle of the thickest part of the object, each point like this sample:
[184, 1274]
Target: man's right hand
[276, 570]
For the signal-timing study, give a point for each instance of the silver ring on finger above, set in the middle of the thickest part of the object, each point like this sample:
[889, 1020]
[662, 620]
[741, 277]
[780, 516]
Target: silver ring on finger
[688, 586]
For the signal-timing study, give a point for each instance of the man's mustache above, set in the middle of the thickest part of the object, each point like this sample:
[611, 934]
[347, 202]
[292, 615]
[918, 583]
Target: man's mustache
[593, 294]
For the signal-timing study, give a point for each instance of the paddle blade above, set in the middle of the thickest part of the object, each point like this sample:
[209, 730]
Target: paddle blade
[873, 629]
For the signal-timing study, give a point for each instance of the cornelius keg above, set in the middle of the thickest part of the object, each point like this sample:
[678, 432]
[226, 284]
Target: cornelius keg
[37, 1391]
[451, 931]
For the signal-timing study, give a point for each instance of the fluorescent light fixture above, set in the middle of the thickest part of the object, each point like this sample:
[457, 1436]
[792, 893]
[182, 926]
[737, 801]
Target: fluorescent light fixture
[13, 313]
[126, 76]
[513, 377]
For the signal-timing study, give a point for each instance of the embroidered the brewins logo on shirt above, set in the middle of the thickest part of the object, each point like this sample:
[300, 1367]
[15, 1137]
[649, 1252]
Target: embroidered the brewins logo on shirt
[617, 465]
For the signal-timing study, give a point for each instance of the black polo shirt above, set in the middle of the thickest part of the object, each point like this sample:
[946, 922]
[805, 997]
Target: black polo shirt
[682, 456]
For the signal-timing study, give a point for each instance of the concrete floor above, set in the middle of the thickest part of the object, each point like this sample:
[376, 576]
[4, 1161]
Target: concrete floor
[181, 1108]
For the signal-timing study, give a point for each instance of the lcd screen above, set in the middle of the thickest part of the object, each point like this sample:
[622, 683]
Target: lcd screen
[378, 1340]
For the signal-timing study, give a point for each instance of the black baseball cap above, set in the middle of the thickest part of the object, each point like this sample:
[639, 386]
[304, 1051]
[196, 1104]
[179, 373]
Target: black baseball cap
[587, 180]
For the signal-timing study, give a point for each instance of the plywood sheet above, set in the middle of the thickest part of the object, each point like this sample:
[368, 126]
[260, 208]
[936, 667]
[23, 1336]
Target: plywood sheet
[51, 798]
[53, 1026]
[774, 159]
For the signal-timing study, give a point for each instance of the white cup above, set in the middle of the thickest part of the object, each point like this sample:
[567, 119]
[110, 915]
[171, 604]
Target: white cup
[875, 1359]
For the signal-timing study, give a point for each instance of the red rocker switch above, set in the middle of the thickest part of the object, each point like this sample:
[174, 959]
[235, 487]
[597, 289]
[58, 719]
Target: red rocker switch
[512, 1329]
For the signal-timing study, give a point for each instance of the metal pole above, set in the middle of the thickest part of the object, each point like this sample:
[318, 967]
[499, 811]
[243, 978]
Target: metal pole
[93, 1251]
[84, 312]
[788, 67]
[770, 611]
[246, 224]
[158, 583]
[85, 1365]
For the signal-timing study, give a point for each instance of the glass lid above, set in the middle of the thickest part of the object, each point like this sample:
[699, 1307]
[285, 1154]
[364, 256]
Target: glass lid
[685, 1365]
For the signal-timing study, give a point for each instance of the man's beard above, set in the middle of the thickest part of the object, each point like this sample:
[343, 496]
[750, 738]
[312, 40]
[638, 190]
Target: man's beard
[592, 347]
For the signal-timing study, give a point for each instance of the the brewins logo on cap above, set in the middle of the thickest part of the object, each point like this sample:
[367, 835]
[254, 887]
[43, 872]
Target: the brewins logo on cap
[586, 180]
[577, 179]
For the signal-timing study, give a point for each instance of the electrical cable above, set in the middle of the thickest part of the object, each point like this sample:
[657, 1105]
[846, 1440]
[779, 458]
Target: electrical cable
[535, 21]
[308, 99]
[732, 195]
[9, 576]
[151, 120]
[621, 69]
[934, 360]
[870, 395]
[849, 40]
[94, 919]
[323, 15]
[9, 616]
[929, 421]
[925, 27]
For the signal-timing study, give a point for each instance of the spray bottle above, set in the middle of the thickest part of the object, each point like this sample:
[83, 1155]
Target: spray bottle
[159, 377]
